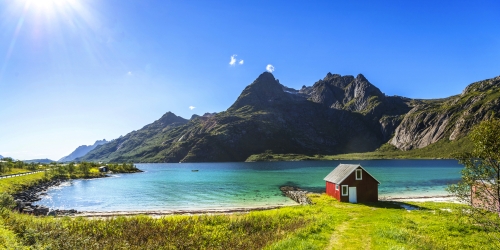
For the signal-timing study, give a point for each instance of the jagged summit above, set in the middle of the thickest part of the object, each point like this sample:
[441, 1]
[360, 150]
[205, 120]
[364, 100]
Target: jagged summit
[264, 91]
[170, 117]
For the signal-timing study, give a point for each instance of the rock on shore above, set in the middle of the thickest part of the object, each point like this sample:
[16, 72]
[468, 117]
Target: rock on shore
[296, 194]
[24, 200]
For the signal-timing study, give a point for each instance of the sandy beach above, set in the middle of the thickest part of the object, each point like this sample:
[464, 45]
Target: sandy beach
[225, 210]
[160, 213]
[440, 198]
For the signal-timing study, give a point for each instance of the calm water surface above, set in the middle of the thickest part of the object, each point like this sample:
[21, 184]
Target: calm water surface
[175, 186]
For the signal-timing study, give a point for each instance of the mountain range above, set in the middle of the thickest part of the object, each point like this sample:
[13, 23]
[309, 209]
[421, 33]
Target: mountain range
[338, 114]
[82, 150]
[46, 160]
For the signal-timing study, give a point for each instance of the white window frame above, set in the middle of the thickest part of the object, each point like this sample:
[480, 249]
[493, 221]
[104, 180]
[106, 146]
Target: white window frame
[360, 171]
[337, 186]
[346, 193]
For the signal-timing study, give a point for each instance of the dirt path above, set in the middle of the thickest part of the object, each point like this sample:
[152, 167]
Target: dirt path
[335, 242]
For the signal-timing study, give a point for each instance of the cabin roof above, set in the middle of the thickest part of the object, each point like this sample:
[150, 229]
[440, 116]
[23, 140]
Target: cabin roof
[342, 171]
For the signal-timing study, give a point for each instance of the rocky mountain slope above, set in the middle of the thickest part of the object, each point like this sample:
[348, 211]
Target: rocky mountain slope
[338, 114]
[450, 118]
[82, 150]
[140, 145]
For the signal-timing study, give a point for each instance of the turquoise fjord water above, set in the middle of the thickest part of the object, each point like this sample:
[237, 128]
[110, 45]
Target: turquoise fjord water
[175, 186]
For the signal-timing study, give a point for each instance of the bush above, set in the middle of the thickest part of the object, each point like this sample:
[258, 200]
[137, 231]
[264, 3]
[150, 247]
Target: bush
[7, 201]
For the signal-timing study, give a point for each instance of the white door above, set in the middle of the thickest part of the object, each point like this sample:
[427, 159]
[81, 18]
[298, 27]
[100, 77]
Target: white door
[353, 198]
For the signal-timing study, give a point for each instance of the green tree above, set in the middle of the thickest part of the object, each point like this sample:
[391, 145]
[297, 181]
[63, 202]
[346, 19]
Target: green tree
[479, 186]
[85, 168]
[71, 168]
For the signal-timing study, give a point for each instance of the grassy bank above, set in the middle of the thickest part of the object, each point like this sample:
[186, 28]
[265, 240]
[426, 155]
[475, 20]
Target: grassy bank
[440, 150]
[327, 224]
[18, 183]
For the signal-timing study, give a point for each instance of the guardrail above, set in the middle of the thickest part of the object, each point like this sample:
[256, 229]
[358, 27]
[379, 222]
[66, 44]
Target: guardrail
[20, 174]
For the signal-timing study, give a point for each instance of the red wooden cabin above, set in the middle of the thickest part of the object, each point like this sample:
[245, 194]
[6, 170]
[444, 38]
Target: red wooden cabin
[352, 183]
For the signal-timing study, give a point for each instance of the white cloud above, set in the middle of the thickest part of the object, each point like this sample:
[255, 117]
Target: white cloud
[270, 68]
[233, 60]
[192, 107]
[129, 73]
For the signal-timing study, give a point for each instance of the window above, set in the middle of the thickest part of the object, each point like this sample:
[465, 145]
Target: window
[359, 175]
[345, 190]
[337, 187]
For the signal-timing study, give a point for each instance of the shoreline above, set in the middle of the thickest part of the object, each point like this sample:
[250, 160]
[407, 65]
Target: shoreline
[424, 198]
[233, 210]
[161, 213]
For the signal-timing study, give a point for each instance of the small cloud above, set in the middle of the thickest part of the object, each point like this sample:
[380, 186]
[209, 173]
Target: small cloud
[129, 73]
[270, 68]
[192, 107]
[233, 60]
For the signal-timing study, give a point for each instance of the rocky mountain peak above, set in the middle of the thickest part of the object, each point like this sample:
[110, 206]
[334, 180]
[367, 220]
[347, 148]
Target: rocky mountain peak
[264, 91]
[361, 78]
[169, 118]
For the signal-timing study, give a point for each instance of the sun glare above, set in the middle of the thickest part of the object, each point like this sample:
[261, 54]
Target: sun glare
[50, 6]
[48, 3]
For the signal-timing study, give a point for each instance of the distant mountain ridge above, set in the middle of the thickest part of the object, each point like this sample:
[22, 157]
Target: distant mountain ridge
[82, 150]
[39, 161]
[338, 114]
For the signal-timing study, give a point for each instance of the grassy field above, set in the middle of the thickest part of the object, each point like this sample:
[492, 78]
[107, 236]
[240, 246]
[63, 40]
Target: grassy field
[18, 183]
[327, 224]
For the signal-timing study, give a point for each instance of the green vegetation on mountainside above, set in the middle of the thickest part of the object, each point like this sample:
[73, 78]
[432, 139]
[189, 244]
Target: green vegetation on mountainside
[327, 224]
[441, 149]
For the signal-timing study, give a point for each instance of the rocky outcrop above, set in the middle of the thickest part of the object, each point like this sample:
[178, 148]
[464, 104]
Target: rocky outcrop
[419, 129]
[296, 194]
[450, 118]
[26, 198]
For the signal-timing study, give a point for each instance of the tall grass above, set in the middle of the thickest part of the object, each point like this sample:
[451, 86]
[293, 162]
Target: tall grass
[252, 231]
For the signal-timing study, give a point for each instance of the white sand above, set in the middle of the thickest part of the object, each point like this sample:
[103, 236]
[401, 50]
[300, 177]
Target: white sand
[439, 198]
[160, 213]
[232, 210]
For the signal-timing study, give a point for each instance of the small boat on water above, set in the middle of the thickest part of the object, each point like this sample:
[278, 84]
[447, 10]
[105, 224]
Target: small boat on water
[194, 170]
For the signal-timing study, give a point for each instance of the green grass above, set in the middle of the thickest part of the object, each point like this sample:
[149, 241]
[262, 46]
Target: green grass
[18, 183]
[327, 224]
[16, 171]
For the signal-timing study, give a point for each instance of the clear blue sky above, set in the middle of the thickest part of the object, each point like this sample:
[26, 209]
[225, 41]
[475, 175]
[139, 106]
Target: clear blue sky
[75, 71]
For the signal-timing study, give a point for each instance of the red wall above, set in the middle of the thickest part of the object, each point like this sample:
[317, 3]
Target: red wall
[330, 190]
